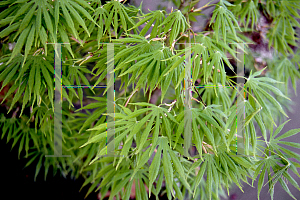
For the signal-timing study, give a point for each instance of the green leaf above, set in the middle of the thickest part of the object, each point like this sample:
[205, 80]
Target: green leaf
[200, 176]
[43, 36]
[119, 187]
[38, 167]
[138, 127]
[261, 181]
[37, 81]
[208, 133]
[176, 64]
[292, 144]
[21, 40]
[128, 190]
[48, 21]
[56, 15]
[69, 19]
[26, 20]
[77, 17]
[155, 133]
[17, 96]
[9, 77]
[284, 186]
[65, 39]
[288, 134]
[177, 165]
[279, 128]
[25, 99]
[21, 11]
[92, 118]
[209, 180]
[168, 170]
[273, 101]
[145, 134]
[154, 168]
[9, 29]
[29, 42]
[138, 112]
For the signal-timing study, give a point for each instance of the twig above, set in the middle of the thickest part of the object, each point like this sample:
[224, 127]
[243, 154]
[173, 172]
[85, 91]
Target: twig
[207, 145]
[181, 35]
[171, 105]
[205, 34]
[15, 112]
[200, 97]
[73, 38]
[200, 9]
[85, 59]
[131, 96]
[38, 51]
[170, 108]
[196, 100]
[204, 148]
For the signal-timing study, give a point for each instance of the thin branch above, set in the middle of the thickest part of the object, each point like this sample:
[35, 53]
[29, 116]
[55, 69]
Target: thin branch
[38, 51]
[170, 106]
[131, 96]
[209, 146]
[15, 112]
[196, 100]
[200, 97]
[209, 32]
[76, 40]
[204, 148]
[201, 8]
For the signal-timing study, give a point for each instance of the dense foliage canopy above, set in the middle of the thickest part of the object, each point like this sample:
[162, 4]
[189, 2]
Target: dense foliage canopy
[150, 59]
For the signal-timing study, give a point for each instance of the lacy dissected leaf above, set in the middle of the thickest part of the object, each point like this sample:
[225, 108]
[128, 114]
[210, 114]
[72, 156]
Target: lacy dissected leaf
[259, 86]
[117, 13]
[176, 24]
[249, 9]
[148, 66]
[34, 19]
[282, 69]
[123, 54]
[281, 35]
[279, 156]
[32, 79]
[77, 79]
[224, 18]
[204, 126]
[169, 162]
[100, 16]
[153, 19]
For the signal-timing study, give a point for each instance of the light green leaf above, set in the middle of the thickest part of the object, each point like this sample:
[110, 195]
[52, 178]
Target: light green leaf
[168, 170]
[288, 134]
[279, 128]
[145, 134]
[154, 167]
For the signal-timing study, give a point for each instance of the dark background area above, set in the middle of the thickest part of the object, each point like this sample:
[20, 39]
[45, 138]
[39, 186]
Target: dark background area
[18, 182]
